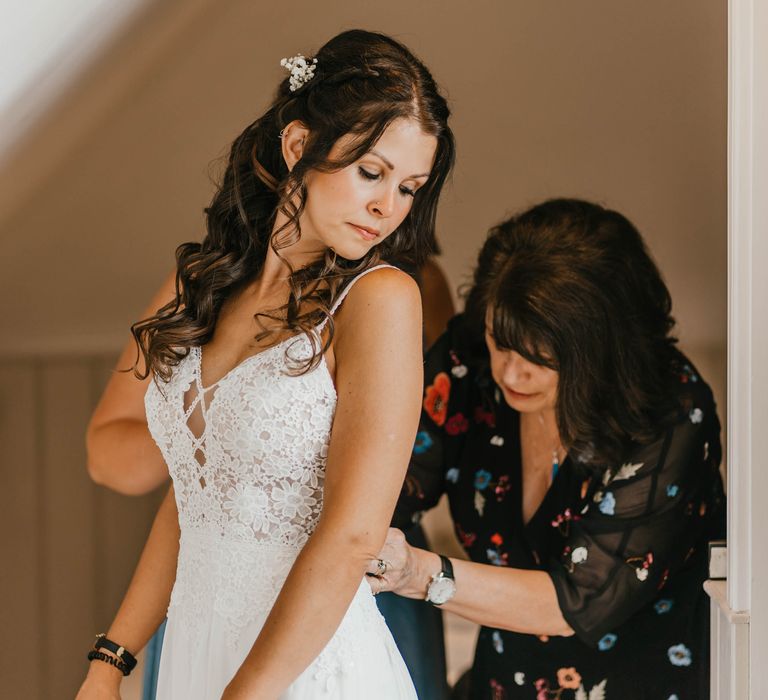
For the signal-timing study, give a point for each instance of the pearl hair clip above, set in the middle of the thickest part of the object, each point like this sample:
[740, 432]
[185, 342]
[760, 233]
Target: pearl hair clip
[302, 70]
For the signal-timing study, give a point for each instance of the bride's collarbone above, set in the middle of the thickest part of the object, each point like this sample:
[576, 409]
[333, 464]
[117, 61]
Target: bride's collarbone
[236, 339]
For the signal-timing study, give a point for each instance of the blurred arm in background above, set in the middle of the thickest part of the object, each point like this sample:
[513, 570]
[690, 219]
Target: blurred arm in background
[121, 453]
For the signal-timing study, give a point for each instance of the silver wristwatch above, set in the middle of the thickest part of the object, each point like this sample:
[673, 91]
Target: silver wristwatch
[442, 586]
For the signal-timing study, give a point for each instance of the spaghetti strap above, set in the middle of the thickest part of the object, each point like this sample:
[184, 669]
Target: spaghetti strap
[346, 289]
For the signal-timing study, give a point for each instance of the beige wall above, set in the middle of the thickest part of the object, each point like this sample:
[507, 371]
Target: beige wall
[624, 103]
[619, 102]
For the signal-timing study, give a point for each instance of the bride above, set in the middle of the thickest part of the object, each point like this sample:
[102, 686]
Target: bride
[284, 416]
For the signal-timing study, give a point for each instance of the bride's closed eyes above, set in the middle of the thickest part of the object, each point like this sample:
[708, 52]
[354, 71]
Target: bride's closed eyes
[368, 175]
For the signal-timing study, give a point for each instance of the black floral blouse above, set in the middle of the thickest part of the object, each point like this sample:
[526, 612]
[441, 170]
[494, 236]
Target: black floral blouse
[626, 546]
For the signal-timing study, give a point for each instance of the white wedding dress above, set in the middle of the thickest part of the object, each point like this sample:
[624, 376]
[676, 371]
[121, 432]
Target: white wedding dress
[249, 491]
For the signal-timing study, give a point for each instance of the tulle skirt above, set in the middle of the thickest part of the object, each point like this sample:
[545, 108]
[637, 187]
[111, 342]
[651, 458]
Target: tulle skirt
[360, 661]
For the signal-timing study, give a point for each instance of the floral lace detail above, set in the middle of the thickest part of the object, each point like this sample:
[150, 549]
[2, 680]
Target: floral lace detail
[256, 469]
[235, 580]
[340, 654]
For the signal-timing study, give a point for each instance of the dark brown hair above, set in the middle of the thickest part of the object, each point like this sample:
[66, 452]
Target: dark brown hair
[363, 82]
[571, 285]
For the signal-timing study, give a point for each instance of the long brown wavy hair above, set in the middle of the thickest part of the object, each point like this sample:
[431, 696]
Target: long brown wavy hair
[363, 82]
[570, 285]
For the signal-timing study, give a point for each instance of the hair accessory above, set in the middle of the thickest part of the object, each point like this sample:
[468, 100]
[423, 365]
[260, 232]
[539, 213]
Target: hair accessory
[302, 70]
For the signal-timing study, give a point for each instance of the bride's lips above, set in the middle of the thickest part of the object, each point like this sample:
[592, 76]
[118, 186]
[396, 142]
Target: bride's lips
[369, 234]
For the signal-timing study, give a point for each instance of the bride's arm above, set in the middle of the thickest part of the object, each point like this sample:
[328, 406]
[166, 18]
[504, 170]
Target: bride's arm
[378, 380]
[145, 603]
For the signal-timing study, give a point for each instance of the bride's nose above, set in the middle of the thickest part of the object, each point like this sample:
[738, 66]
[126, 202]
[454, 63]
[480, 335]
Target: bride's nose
[383, 206]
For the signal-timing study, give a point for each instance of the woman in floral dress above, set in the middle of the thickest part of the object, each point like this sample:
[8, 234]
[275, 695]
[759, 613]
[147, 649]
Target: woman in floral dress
[580, 451]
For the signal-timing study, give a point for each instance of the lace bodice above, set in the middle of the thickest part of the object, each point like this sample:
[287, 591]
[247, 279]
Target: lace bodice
[255, 470]
[247, 457]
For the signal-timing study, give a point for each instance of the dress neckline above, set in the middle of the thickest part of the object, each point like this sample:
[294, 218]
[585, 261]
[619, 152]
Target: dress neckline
[529, 525]
[246, 361]
[206, 404]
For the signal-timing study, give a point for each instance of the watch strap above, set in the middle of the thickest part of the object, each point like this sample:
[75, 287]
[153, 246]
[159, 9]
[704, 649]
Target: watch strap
[447, 569]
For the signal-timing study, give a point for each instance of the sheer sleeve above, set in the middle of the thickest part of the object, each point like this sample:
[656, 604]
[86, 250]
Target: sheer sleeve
[445, 379]
[640, 525]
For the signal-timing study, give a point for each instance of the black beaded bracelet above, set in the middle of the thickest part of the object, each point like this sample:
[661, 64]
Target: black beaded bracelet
[101, 656]
[119, 651]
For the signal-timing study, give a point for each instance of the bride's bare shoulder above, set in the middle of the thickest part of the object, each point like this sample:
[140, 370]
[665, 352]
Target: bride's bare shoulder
[383, 295]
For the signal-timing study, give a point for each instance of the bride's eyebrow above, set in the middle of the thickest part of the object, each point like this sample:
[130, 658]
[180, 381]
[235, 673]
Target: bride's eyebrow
[392, 167]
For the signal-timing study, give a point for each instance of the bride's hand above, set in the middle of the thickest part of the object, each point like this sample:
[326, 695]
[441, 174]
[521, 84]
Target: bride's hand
[400, 568]
[100, 683]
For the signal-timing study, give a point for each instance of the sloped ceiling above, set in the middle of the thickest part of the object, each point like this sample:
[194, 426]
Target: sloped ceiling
[622, 103]
[45, 45]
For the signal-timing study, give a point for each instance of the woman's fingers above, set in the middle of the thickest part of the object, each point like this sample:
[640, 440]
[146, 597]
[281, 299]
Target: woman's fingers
[377, 585]
[377, 567]
[386, 571]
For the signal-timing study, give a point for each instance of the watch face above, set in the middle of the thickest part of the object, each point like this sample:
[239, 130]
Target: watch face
[441, 590]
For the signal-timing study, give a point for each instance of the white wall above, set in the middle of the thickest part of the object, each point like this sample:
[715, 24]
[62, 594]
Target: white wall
[740, 609]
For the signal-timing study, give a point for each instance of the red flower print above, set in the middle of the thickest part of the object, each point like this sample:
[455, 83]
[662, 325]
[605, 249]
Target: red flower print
[483, 416]
[502, 487]
[456, 424]
[541, 684]
[497, 539]
[497, 690]
[467, 539]
[436, 398]
[412, 487]
[562, 521]
[664, 578]
[568, 678]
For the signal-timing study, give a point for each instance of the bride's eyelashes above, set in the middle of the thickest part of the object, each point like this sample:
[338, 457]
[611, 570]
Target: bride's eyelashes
[368, 175]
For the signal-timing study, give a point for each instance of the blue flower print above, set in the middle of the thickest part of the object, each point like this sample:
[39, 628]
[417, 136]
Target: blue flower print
[482, 479]
[423, 442]
[608, 503]
[495, 557]
[672, 490]
[679, 655]
[452, 475]
[607, 641]
[498, 642]
[688, 374]
[663, 605]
